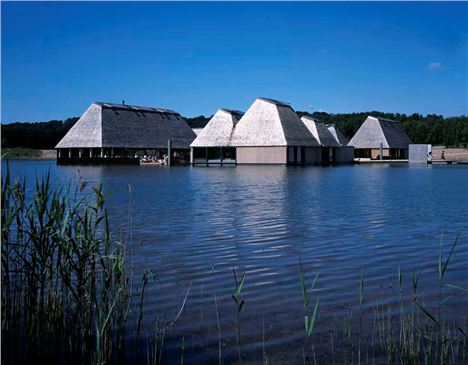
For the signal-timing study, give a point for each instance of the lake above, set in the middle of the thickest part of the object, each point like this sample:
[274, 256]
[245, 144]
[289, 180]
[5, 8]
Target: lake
[192, 226]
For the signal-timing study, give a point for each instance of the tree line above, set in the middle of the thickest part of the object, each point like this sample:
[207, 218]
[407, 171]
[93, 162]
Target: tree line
[41, 135]
[432, 128]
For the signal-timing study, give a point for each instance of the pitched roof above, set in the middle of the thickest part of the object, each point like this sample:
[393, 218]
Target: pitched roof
[218, 131]
[197, 130]
[375, 131]
[271, 123]
[338, 135]
[127, 126]
[320, 132]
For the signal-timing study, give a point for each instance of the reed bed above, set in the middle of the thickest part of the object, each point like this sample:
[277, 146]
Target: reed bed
[66, 286]
[70, 295]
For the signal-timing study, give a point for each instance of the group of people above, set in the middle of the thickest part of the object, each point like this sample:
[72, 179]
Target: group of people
[154, 159]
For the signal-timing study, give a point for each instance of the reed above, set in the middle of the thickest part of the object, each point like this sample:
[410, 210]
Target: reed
[414, 335]
[66, 284]
[309, 317]
[236, 297]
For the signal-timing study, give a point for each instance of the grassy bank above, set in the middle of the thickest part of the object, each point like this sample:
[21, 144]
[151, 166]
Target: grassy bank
[70, 295]
[19, 153]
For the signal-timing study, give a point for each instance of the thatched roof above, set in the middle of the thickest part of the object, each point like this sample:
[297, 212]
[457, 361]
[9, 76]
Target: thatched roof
[218, 131]
[320, 132]
[270, 122]
[375, 131]
[338, 135]
[127, 126]
[197, 130]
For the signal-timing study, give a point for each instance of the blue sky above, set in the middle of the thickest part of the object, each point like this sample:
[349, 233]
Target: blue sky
[197, 57]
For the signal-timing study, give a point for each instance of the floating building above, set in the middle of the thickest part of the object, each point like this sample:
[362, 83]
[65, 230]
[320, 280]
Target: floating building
[328, 143]
[332, 151]
[380, 138]
[270, 132]
[117, 133]
[213, 143]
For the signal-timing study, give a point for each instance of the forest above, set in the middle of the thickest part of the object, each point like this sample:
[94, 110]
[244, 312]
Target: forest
[433, 129]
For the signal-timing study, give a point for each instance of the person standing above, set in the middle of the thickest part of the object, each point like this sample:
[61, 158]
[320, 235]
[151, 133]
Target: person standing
[442, 155]
[429, 156]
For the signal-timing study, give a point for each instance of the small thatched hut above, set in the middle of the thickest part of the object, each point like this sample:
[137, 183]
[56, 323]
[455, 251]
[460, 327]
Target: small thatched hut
[323, 136]
[270, 132]
[213, 143]
[116, 132]
[332, 151]
[380, 138]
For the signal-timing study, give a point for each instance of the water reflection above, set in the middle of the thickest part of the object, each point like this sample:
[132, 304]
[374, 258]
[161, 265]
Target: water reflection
[193, 225]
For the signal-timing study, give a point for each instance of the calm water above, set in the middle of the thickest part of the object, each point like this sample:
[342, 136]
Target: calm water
[193, 225]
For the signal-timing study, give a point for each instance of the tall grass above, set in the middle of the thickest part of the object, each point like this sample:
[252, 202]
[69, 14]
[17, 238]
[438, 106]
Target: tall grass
[411, 334]
[66, 286]
[309, 317]
[236, 297]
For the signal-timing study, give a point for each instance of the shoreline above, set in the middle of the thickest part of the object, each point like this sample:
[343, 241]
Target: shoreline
[18, 153]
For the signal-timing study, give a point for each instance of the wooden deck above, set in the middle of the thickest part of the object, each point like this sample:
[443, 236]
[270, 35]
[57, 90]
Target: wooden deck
[368, 161]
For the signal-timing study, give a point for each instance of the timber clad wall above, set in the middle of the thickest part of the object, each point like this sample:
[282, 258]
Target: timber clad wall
[313, 155]
[261, 155]
[345, 154]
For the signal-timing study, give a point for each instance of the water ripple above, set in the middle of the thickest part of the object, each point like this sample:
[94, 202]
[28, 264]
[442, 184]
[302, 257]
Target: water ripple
[194, 225]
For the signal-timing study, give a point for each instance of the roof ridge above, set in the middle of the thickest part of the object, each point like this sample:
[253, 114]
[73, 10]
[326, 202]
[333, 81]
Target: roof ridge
[275, 102]
[135, 108]
[232, 111]
[384, 119]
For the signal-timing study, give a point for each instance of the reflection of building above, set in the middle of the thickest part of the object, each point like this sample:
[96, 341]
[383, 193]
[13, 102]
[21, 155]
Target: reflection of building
[331, 149]
[270, 132]
[380, 138]
[115, 133]
[213, 143]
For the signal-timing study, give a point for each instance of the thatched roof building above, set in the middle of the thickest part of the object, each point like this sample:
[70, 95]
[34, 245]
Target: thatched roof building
[332, 151]
[380, 138]
[320, 132]
[107, 125]
[270, 132]
[338, 135]
[375, 131]
[219, 130]
[270, 122]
